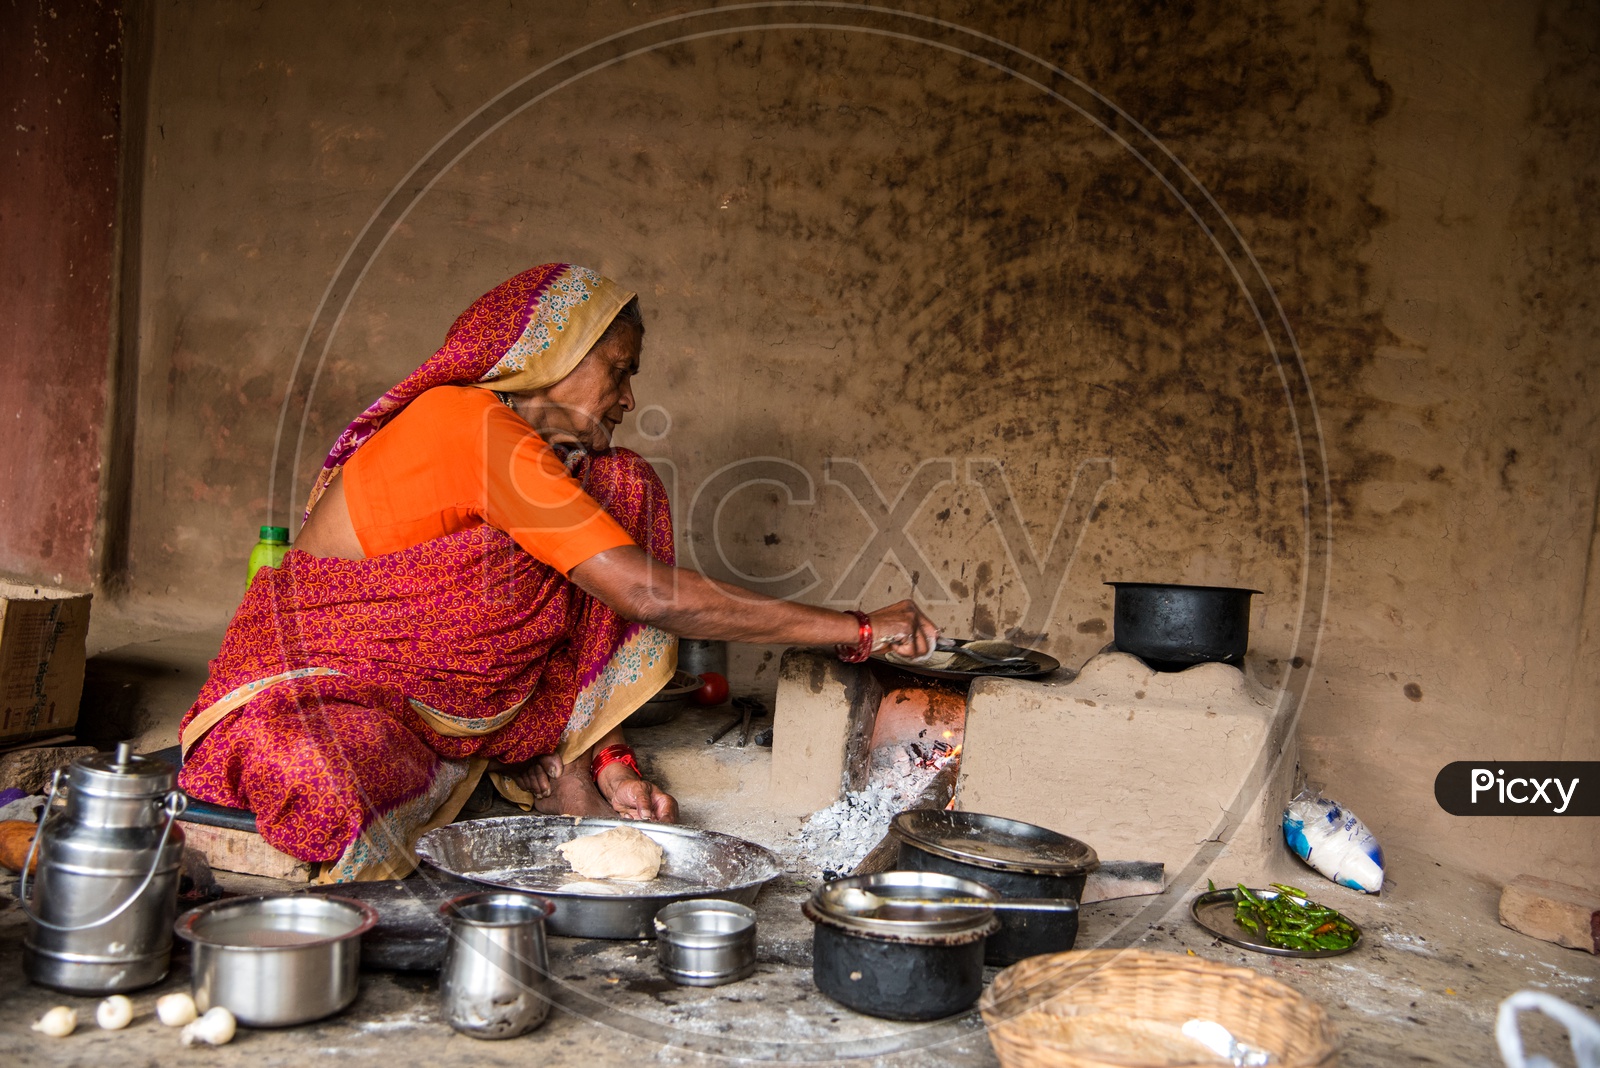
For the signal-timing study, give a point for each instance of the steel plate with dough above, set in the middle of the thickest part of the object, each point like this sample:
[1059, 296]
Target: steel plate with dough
[520, 853]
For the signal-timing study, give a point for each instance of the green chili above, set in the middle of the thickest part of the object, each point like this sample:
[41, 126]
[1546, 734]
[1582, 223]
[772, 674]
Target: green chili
[1283, 921]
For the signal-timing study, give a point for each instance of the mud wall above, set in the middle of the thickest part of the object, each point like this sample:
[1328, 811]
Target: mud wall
[1282, 295]
[61, 80]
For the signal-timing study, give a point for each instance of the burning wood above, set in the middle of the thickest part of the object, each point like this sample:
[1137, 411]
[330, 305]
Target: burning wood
[935, 756]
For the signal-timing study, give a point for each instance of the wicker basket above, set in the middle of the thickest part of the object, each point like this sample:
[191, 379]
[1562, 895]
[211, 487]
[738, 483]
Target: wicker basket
[1106, 1008]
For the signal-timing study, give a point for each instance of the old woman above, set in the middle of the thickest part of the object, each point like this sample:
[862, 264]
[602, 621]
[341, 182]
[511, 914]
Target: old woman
[482, 583]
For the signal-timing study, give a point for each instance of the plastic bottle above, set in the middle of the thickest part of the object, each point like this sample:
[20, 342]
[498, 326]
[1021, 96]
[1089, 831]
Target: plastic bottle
[268, 551]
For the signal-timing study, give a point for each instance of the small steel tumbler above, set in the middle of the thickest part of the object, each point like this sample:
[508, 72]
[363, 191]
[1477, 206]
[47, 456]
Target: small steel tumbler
[496, 968]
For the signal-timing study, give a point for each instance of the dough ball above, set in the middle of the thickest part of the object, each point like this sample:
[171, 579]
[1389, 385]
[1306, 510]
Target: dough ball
[620, 853]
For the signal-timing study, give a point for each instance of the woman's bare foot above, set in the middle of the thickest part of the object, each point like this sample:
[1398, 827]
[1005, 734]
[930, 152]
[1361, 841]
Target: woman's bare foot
[573, 793]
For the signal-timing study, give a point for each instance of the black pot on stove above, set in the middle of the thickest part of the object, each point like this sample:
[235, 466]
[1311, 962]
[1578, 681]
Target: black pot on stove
[1014, 859]
[1173, 627]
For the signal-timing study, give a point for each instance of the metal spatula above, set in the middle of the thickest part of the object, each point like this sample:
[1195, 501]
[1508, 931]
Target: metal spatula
[854, 899]
[950, 645]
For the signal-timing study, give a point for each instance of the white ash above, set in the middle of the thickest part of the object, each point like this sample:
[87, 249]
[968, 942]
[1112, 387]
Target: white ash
[838, 837]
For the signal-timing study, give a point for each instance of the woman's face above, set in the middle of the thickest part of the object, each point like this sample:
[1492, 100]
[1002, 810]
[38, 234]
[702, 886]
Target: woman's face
[588, 404]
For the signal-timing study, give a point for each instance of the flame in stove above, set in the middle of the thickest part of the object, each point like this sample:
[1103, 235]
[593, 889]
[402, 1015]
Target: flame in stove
[950, 734]
[940, 755]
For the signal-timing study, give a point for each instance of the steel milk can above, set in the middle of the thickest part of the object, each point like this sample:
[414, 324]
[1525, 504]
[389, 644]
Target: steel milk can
[106, 891]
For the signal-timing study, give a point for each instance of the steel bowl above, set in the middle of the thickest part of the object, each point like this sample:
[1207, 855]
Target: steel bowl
[668, 703]
[706, 943]
[275, 960]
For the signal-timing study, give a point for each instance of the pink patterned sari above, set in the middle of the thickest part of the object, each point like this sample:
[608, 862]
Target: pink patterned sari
[355, 703]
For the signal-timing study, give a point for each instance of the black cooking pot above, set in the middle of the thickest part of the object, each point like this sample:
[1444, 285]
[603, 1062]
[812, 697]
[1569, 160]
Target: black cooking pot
[1174, 627]
[1012, 858]
[900, 963]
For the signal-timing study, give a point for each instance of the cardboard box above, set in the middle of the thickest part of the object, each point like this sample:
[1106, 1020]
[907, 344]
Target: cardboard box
[42, 636]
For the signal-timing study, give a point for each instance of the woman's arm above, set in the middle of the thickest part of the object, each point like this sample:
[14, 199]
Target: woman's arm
[690, 605]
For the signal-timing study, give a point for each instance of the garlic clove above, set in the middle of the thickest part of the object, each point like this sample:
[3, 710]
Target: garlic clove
[215, 1028]
[59, 1022]
[114, 1013]
[175, 1010]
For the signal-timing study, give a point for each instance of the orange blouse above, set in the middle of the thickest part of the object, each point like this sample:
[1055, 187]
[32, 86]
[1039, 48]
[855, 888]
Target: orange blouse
[457, 457]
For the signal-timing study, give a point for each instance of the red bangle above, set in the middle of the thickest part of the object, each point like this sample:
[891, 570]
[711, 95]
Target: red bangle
[863, 647]
[613, 754]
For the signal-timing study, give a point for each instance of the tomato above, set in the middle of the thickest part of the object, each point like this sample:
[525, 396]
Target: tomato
[713, 689]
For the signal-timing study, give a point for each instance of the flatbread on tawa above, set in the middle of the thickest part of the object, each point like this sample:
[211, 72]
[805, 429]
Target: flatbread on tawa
[620, 853]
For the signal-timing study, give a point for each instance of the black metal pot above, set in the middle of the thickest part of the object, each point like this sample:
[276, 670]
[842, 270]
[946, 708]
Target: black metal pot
[918, 964]
[1173, 627]
[1012, 858]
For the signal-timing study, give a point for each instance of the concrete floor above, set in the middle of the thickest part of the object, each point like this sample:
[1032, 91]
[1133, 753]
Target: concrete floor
[1423, 990]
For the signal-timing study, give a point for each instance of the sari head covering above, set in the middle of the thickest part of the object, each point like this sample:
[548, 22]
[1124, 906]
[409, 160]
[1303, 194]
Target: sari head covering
[527, 333]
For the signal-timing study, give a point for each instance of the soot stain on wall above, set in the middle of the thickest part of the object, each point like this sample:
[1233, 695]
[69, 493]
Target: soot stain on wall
[964, 266]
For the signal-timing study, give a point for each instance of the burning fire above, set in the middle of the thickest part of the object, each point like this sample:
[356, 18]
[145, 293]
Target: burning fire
[935, 756]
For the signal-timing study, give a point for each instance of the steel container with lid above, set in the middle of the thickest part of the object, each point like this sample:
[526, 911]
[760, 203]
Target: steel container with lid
[106, 889]
[900, 962]
[1014, 859]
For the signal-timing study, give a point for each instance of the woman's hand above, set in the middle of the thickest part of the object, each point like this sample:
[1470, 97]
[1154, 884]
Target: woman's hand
[902, 629]
[635, 798]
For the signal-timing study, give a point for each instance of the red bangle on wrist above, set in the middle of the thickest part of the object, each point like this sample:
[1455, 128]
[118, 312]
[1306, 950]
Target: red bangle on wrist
[855, 654]
[613, 754]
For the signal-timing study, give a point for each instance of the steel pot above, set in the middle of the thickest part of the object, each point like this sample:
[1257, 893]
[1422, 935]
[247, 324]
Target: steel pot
[906, 963]
[667, 704]
[706, 942]
[696, 656]
[496, 970]
[1173, 627]
[1012, 858]
[275, 960]
[106, 889]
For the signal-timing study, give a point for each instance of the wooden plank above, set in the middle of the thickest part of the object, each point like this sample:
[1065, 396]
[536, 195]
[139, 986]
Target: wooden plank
[227, 849]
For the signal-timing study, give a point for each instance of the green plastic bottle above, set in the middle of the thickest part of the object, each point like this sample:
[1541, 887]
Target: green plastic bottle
[268, 551]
